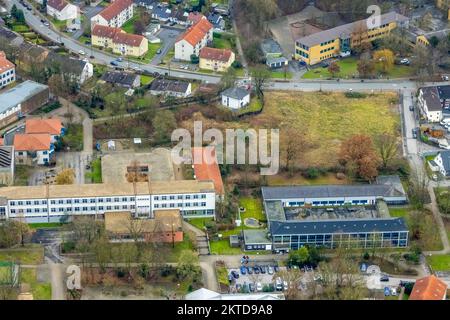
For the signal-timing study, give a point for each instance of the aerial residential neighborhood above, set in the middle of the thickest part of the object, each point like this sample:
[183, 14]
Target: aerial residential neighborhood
[224, 150]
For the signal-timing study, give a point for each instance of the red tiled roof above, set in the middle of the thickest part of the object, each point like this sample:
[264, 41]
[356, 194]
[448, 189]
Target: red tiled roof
[50, 126]
[133, 40]
[57, 4]
[115, 8]
[5, 64]
[105, 32]
[215, 54]
[32, 142]
[207, 169]
[429, 288]
[197, 32]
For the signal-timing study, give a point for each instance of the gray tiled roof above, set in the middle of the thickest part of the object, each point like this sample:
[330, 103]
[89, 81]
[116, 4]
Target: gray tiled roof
[169, 85]
[431, 96]
[236, 93]
[346, 30]
[337, 226]
[328, 191]
[120, 78]
[444, 92]
[445, 155]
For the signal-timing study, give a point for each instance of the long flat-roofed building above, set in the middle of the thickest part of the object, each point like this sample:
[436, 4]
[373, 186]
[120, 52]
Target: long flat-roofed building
[52, 203]
[340, 40]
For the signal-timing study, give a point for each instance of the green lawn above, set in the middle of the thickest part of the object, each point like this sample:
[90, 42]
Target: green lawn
[439, 262]
[223, 41]
[45, 225]
[128, 27]
[223, 247]
[348, 69]
[84, 39]
[27, 255]
[398, 212]
[280, 75]
[21, 174]
[222, 275]
[96, 171]
[20, 28]
[255, 105]
[253, 208]
[152, 48]
[199, 222]
[60, 25]
[40, 291]
[146, 79]
[186, 244]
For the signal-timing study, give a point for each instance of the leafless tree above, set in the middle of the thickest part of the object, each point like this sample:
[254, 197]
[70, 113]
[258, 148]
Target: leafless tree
[387, 147]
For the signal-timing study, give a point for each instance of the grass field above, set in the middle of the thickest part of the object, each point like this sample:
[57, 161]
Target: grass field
[27, 255]
[280, 75]
[253, 208]
[45, 225]
[21, 174]
[40, 291]
[222, 42]
[439, 263]
[398, 212]
[200, 222]
[328, 119]
[348, 69]
[284, 179]
[96, 171]
[128, 26]
[146, 79]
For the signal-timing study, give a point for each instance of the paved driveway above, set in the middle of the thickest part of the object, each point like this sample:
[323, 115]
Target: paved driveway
[168, 38]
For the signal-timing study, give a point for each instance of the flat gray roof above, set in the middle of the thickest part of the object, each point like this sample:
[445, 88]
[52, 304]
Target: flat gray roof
[337, 226]
[256, 237]
[346, 30]
[330, 191]
[20, 93]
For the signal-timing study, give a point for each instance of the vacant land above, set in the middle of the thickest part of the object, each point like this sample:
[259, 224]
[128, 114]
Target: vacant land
[40, 291]
[327, 118]
[439, 263]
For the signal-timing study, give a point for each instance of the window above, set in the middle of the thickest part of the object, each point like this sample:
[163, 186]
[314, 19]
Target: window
[203, 204]
[84, 200]
[163, 198]
[100, 200]
[172, 197]
[76, 201]
[52, 201]
[92, 208]
[116, 200]
[77, 209]
[116, 207]
[69, 201]
[156, 198]
[28, 203]
[92, 200]
[124, 199]
[164, 205]
[100, 208]
[108, 199]
[179, 197]
[85, 209]
[60, 201]
[13, 203]
[203, 196]
[156, 206]
[188, 197]
[195, 196]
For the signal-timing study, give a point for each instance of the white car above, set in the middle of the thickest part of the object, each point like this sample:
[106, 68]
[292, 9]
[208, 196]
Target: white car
[81, 52]
[285, 285]
[259, 287]
[445, 78]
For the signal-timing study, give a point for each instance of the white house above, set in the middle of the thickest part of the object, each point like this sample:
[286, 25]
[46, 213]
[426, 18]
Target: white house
[430, 104]
[62, 10]
[442, 160]
[7, 71]
[193, 40]
[33, 148]
[114, 15]
[235, 98]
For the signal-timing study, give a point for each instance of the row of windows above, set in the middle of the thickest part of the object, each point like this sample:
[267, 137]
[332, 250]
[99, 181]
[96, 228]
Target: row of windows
[353, 244]
[326, 43]
[302, 46]
[7, 73]
[70, 209]
[303, 54]
[326, 56]
[326, 50]
[101, 200]
[340, 237]
[179, 205]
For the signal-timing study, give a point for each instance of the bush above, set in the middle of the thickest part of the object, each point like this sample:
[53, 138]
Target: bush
[366, 256]
[312, 173]
[194, 59]
[121, 273]
[144, 270]
[166, 271]
[68, 246]
[355, 95]
[236, 64]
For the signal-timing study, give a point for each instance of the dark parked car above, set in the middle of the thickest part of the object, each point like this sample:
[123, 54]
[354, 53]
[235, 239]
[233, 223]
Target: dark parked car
[414, 133]
[249, 270]
[384, 278]
[235, 274]
[256, 269]
[276, 269]
[243, 270]
[262, 269]
[411, 108]
[114, 63]
[252, 287]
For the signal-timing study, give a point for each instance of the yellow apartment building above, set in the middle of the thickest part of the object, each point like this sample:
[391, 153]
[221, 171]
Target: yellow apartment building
[218, 60]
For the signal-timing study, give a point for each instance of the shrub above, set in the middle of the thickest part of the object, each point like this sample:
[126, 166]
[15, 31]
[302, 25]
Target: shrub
[144, 270]
[194, 59]
[312, 173]
[236, 64]
[355, 95]
[120, 273]
[366, 256]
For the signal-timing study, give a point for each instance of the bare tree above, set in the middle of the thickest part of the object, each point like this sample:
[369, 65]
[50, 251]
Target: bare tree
[387, 146]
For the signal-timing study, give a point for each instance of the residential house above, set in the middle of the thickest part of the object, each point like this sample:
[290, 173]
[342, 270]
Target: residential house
[180, 17]
[51, 126]
[20, 100]
[217, 21]
[235, 98]
[193, 40]
[429, 288]
[442, 162]
[161, 13]
[62, 10]
[174, 88]
[6, 166]
[7, 71]
[30, 56]
[53, 203]
[10, 37]
[119, 41]
[122, 79]
[206, 168]
[194, 17]
[164, 227]
[79, 70]
[221, 9]
[147, 4]
[33, 148]
[430, 104]
[218, 60]
[115, 15]
[339, 41]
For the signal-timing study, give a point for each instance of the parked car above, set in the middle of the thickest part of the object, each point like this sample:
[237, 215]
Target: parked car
[262, 269]
[285, 285]
[238, 287]
[243, 270]
[278, 284]
[252, 287]
[445, 78]
[269, 270]
[235, 274]
[259, 287]
[114, 63]
[81, 52]
[411, 108]
[276, 269]
[120, 59]
[249, 270]
[256, 269]
[245, 288]
[158, 51]
[384, 278]
[414, 133]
